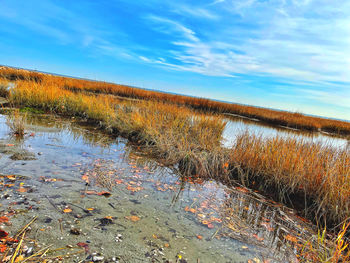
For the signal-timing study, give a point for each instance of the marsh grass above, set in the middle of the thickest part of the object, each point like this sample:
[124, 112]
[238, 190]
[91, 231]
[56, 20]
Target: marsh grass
[168, 131]
[275, 117]
[17, 123]
[293, 167]
[327, 249]
[4, 91]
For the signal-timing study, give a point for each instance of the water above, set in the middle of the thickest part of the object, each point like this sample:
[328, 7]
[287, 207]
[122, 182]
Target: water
[152, 213]
[238, 125]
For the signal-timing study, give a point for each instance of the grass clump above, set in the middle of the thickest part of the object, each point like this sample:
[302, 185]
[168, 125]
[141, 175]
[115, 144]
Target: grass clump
[16, 122]
[327, 249]
[31, 110]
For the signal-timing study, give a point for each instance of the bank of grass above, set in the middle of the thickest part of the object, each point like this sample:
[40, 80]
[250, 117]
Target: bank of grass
[171, 132]
[290, 119]
[315, 173]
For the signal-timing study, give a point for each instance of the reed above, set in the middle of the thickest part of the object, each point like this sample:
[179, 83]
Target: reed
[324, 248]
[275, 117]
[295, 167]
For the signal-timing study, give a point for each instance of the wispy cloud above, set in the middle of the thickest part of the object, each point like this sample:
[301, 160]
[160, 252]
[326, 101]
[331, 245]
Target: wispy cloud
[303, 44]
[171, 27]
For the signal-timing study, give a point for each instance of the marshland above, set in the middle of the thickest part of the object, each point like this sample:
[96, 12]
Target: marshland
[105, 172]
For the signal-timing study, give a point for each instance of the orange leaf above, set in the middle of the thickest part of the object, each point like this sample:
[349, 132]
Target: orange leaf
[85, 178]
[22, 189]
[4, 219]
[105, 194]
[199, 237]
[291, 238]
[2, 248]
[118, 181]
[258, 238]
[67, 210]
[133, 218]
[11, 177]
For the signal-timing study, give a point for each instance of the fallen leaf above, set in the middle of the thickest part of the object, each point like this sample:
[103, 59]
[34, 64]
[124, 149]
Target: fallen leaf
[192, 210]
[85, 178]
[258, 238]
[118, 181]
[4, 219]
[3, 248]
[67, 210]
[3, 234]
[11, 177]
[133, 218]
[84, 245]
[199, 237]
[291, 238]
[22, 190]
[105, 194]
[210, 226]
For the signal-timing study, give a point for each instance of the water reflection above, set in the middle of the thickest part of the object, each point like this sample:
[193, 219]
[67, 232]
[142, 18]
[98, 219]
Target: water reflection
[235, 126]
[153, 207]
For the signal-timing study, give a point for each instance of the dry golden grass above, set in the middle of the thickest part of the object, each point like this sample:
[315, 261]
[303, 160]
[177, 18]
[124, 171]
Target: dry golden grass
[295, 120]
[171, 132]
[293, 166]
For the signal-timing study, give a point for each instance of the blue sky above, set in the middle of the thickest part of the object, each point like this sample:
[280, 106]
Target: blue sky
[285, 54]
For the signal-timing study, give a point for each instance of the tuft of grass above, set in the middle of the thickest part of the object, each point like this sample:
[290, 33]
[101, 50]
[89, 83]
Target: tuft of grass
[31, 110]
[325, 249]
[16, 122]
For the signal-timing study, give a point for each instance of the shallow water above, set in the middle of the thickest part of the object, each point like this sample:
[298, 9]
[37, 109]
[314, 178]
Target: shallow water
[152, 215]
[237, 125]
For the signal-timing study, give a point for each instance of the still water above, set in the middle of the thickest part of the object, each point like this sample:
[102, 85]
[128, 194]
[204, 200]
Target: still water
[90, 188]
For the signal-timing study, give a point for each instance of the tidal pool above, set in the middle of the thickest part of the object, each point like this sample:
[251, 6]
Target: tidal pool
[97, 199]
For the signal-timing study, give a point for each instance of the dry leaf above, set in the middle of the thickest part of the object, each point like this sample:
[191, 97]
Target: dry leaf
[67, 210]
[133, 218]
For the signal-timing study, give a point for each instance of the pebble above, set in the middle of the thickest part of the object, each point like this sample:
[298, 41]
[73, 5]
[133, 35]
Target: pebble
[97, 258]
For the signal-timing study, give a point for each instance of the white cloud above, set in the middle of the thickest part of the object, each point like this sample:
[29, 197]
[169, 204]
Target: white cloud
[168, 26]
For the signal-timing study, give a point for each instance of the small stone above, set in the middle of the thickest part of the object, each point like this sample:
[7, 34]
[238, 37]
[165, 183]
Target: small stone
[97, 258]
[75, 231]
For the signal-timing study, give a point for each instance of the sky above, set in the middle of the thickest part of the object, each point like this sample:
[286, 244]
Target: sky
[284, 54]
